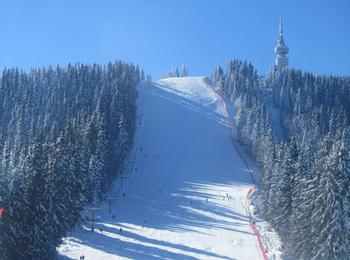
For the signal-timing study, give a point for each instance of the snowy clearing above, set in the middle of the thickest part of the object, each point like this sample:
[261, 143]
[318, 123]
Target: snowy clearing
[185, 189]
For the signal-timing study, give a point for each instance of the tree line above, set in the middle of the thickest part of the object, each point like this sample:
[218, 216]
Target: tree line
[177, 73]
[296, 125]
[64, 135]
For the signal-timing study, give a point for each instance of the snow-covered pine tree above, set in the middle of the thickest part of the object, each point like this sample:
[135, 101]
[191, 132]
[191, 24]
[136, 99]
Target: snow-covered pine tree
[302, 109]
[183, 71]
[329, 240]
[50, 132]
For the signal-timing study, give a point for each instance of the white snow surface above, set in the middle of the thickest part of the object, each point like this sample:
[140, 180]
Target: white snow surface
[185, 188]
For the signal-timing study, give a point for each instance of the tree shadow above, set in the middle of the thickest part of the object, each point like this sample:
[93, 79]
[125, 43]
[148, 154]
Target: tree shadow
[122, 248]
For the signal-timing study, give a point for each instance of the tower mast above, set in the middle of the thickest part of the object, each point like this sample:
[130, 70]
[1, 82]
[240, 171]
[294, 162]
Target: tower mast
[281, 49]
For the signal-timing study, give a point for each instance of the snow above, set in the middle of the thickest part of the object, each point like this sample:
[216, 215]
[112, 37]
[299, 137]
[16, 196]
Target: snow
[186, 185]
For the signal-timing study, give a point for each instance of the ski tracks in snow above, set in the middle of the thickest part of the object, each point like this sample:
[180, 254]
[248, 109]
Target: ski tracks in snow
[182, 199]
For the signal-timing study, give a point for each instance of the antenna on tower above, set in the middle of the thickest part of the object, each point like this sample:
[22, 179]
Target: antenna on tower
[281, 39]
[281, 25]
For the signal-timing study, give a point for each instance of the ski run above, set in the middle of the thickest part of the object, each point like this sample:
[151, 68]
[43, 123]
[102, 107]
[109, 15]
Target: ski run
[183, 193]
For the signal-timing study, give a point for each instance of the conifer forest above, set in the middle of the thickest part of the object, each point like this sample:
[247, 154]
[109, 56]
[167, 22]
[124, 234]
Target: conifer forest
[297, 127]
[64, 135]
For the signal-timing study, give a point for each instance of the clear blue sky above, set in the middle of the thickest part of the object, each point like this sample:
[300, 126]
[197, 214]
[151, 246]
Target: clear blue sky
[159, 34]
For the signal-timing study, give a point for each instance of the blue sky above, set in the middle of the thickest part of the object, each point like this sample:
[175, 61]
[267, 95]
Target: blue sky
[160, 34]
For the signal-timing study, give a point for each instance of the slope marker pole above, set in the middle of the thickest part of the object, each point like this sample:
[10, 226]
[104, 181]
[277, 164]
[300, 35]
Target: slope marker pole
[110, 204]
[122, 177]
[93, 218]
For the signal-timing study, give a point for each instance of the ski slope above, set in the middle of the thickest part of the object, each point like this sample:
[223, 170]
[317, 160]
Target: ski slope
[185, 188]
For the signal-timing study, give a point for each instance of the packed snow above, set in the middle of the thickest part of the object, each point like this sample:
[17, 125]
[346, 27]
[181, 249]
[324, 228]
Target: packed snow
[185, 187]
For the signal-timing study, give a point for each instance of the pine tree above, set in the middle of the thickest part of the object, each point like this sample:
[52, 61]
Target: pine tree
[53, 126]
[183, 71]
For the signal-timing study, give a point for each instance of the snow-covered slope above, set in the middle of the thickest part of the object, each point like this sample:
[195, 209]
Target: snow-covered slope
[184, 194]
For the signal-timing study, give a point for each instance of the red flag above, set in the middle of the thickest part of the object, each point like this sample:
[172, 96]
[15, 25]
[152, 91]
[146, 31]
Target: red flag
[1, 212]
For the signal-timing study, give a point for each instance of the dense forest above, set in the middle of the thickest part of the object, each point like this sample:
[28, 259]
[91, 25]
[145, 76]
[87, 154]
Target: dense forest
[64, 135]
[297, 127]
